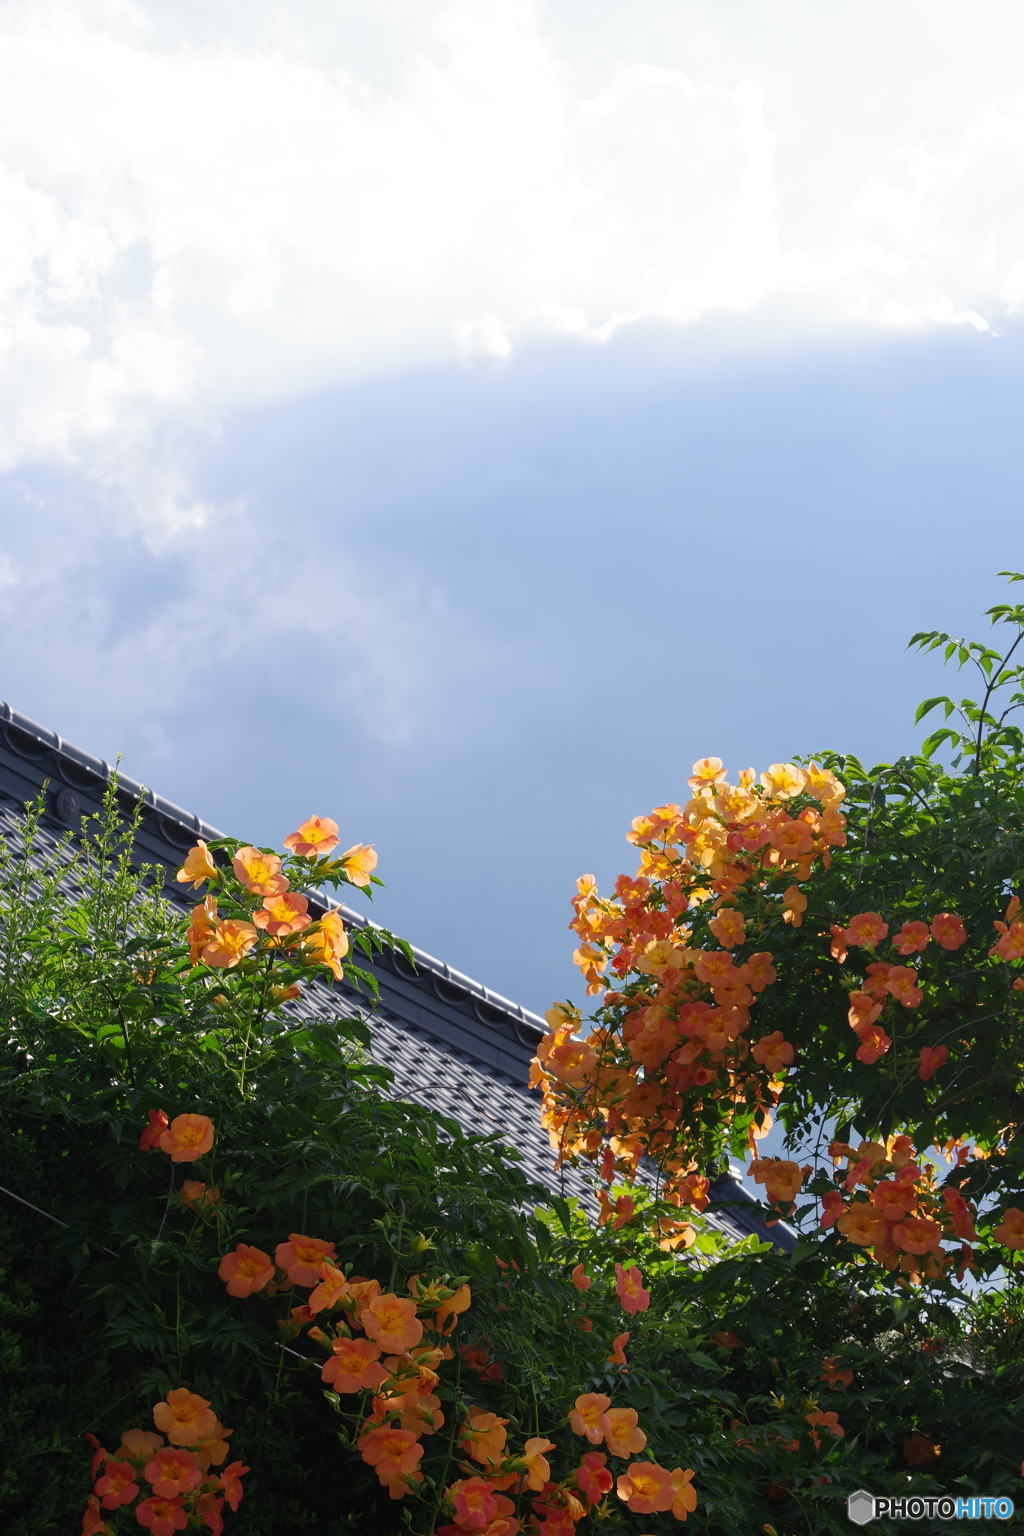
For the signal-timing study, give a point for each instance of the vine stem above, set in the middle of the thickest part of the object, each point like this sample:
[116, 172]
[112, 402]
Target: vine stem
[167, 1207]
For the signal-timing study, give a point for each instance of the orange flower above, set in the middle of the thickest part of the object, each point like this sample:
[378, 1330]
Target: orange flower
[862, 1224]
[773, 1051]
[1011, 945]
[330, 1292]
[728, 927]
[793, 839]
[314, 838]
[475, 1503]
[580, 1279]
[783, 781]
[195, 1194]
[829, 1421]
[231, 943]
[706, 771]
[685, 1494]
[246, 1271]
[327, 944]
[93, 1523]
[831, 1373]
[589, 1416]
[874, 1042]
[301, 1258]
[948, 930]
[931, 1060]
[1010, 1231]
[211, 1451]
[646, 1488]
[783, 1180]
[162, 1516]
[395, 1455]
[231, 1483]
[629, 1285]
[202, 925]
[831, 1208]
[198, 867]
[617, 1357]
[593, 1478]
[259, 872]
[173, 1472]
[538, 1468]
[158, 1123]
[355, 1366]
[184, 1417]
[187, 1138]
[866, 930]
[458, 1302]
[117, 1486]
[911, 938]
[392, 1322]
[623, 1437]
[359, 863]
[484, 1438]
[919, 1450]
[902, 983]
[917, 1234]
[280, 915]
[139, 1445]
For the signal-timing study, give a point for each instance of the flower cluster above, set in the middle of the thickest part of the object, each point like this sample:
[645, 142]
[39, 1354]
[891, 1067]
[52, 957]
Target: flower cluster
[889, 1202]
[182, 1489]
[684, 940]
[888, 983]
[258, 913]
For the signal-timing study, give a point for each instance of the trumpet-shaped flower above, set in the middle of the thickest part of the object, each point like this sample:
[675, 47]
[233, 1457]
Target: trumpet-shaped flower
[173, 1471]
[948, 930]
[259, 872]
[593, 1478]
[315, 838]
[475, 1503]
[773, 1051]
[184, 1417]
[589, 1416]
[359, 863]
[902, 983]
[245, 1271]
[354, 1366]
[538, 1469]
[208, 1508]
[783, 781]
[932, 1058]
[729, 927]
[794, 904]
[394, 1455]
[792, 838]
[1011, 945]
[646, 1488]
[862, 1224]
[139, 1445]
[158, 1123]
[392, 1322]
[917, 1234]
[117, 1486]
[484, 1438]
[874, 1042]
[617, 1356]
[93, 1523]
[684, 1494]
[198, 867]
[231, 942]
[332, 1290]
[867, 930]
[301, 1258]
[912, 938]
[629, 1285]
[623, 1436]
[281, 915]
[580, 1279]
[162, 1516]
[328, 943]
[195, 1195]
[706, 772]
[231, 1483]
[1010, 1231]
[187, 1138]
[448, 1311]
[202, 926]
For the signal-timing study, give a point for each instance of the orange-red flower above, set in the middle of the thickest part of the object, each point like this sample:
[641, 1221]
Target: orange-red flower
[196, 1194]
[198, 867]
[729, 927]
[629, 1285]
[623, 1436]
[359, 863]
[593, 1478]
[246, 1271]
[354, 1366]
[208, 1508]
[1010, 1231]
[874, 1042]
[259, 872]
[173, 1471]
[866, 929]
[331, 1291]
[589, 1416]
[395, 1456]
[231, 942]
[862, 1224]
[281, 915]
[831, 1373]
[314, 838]
[162, 1516]
[902, 983]
[475, 1503]
[158, 1123]
[187, 1138]
[580, 1279]
[301, 1258]
[117, 1486]
[646, 1488]
[617, 1356]
[912, 938]
[827, 1421]
[184, 1417]
[392, 1322]
[932, 1058]
[917, 1234]
[231, 1483]
[948, 930]
[93, 1523]
[773, 1051]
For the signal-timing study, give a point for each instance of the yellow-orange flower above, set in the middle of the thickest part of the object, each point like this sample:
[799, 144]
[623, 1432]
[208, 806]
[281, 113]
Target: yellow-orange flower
[314, 838]
[948, 930]
[359, 862]
[623, 1437]
[259, 872]
[184, 1417]
[684, 1493]
[783, 781]
[630, 1287]
[862, 1224]
[794, 905]
[1010, 1231]
[198, 867]
[538, 1468]
[484, 1438]
[333, 1288]
[301, 1258]
[327, 944]
[866, 929]
[392, 1322]
[195, 1194]
[187, 1138]
[231, 942]
[459, 1301]
[201, 927]
[589, 1416]
[394, 1455]
[706, 771]
[919, 1450]
[729, 927]
[773, 1052]
[354, 1366]
[280, 915]
[646, 1488]
[245, 1271]
[617, 1356]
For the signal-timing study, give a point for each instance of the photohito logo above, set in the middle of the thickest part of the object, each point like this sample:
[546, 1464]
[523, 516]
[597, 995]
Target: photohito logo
[862, 1507]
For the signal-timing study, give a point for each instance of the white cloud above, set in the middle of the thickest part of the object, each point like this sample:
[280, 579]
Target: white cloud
[209, 205]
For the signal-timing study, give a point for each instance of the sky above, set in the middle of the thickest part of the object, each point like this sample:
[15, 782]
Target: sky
[456, 418]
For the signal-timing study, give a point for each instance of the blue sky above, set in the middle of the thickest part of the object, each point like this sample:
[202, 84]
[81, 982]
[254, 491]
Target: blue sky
[468, 493]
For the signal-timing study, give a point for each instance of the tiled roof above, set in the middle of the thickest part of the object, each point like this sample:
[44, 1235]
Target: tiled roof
[452, 1044]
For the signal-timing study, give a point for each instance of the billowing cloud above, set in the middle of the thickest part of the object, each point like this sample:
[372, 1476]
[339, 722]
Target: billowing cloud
[209, 206]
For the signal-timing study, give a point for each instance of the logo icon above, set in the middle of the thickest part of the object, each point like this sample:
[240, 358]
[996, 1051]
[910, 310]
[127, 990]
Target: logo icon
[860, 1507]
